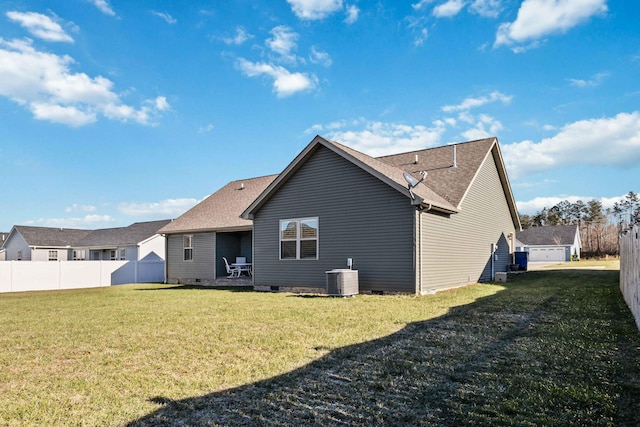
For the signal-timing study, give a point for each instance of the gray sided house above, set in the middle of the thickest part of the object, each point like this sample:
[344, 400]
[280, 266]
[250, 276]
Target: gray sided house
[550, 243]
[199, 239]
[333, 203]
[29, 243]
[135, 242]
[3, 238]
[139, 241]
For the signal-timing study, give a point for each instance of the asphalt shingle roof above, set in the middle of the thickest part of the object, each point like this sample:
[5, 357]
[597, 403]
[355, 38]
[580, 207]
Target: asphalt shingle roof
[62, 237]
[548, 235]
[451, 183]
[444, 187]
[122, 236]
[222, 209]
[50, 236]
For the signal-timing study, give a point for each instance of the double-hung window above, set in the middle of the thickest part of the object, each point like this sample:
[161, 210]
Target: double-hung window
[53, 255]
[299, 238]
[187, 244]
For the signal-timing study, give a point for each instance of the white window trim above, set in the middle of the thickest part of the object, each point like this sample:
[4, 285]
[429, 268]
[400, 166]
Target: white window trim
[184, 247]
[53, 255]
[299, 238]
[122, 254]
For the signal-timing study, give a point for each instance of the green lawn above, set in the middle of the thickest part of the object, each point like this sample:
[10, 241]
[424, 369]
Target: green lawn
[547, 348]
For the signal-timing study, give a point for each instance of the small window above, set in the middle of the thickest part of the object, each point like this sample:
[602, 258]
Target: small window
[112, 254]
[53, 255]
[299, 238]
[19, 256]
[79, 255]
[123, 254]
[187, 244]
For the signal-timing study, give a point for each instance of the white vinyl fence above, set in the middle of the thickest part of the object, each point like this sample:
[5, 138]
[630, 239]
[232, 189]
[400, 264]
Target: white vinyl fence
[19, 276]
[630, 270]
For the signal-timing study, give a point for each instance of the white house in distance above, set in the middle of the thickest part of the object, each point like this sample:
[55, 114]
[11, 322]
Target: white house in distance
[555, 243]
[135, 242]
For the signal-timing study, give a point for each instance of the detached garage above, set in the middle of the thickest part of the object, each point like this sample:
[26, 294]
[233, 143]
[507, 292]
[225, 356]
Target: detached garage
[558, 243]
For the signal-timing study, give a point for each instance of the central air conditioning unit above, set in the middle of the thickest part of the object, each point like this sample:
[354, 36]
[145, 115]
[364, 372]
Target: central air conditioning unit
[342, 282]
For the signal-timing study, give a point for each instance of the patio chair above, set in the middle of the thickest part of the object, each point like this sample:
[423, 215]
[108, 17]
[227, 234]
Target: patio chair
[233, 272]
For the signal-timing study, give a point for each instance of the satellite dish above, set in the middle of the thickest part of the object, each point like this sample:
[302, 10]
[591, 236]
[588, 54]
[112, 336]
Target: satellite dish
[412, 181]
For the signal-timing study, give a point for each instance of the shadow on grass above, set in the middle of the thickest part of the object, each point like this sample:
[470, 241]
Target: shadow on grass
[551, 349]
[239, 288]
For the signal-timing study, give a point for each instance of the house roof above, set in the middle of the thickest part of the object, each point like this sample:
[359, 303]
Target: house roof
[221, 210]
[548, 235]
[62, 237]
[444, 187]
[122, 236]
[50, 236]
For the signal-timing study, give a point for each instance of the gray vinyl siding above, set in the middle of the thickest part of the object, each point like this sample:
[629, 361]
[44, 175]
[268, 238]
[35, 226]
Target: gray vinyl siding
[16, 244]
[204, 255]
[360, 217]
[457, 249]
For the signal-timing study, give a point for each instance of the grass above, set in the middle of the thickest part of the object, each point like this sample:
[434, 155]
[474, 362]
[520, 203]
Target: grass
[546, 348]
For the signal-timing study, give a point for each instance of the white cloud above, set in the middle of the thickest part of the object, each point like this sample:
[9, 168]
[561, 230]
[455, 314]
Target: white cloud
[469, 103]
[318, 57]
[40, 26]
[594, 81]
[87, 221]
[448, 9]
[352, 14]
[486, 8]
[539, 18]
[168, 207]
[421, 4]
[422, 36]
[379, 138]
[612, 141]
[285, 83]
[314, 9]
[240, 37]
[44, 83]
[168, 18]
[103, 6]
[485, 127]
[205, 129]
[80, 208]
[283, 42]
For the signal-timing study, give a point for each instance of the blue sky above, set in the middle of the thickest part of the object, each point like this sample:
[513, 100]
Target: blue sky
[113, 112]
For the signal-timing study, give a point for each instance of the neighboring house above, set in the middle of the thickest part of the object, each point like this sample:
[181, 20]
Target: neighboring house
[550, 243]
[135, 242]
[29, 243]
[333, 203]
[197, 240]
[3, 238]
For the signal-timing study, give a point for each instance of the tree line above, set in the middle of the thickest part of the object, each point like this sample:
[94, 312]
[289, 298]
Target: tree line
[599, 226]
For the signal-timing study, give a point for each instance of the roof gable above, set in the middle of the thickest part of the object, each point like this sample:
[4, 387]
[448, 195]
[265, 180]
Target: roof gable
[549, 235]
[443, 189]
[222, 209]
[446, 179]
